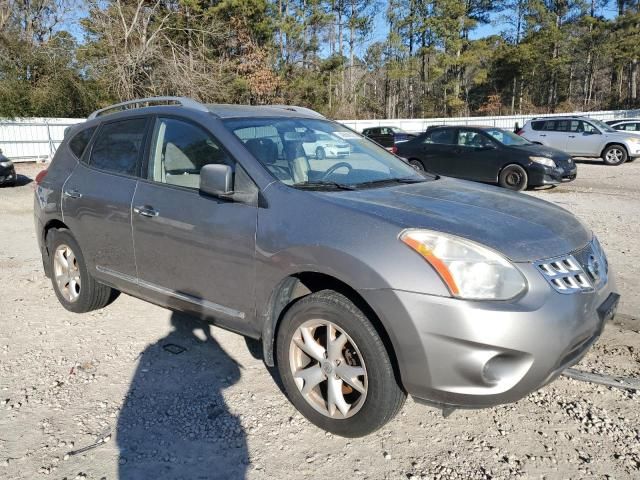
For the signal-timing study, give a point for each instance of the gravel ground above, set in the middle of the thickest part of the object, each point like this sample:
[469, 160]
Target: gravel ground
[119, 379]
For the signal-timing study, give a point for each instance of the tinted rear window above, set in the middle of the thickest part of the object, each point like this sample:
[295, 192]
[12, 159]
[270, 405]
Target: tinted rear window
[118, 146]
[443, 136]
[79, 142]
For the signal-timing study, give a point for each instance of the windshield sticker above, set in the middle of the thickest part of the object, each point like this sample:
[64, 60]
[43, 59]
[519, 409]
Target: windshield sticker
[347, 135]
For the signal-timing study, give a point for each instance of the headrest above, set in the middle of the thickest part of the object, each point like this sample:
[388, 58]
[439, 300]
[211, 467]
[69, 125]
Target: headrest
[264, 149]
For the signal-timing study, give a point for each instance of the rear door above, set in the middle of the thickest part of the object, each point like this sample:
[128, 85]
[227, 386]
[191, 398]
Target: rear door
[554, 134]
[190, 247]
[97, 198]
[437, 150]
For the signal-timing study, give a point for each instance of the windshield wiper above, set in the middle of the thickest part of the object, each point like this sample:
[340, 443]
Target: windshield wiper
[388, 181]
[323, 184]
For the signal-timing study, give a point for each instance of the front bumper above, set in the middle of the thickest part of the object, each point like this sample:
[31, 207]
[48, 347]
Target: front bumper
[552, 176]
[479, 354]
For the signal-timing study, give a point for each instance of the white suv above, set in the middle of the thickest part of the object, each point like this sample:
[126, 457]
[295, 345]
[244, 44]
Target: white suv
[583, 137]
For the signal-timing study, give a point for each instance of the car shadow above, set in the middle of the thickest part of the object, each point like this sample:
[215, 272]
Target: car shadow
[174, 422]
[23, 180]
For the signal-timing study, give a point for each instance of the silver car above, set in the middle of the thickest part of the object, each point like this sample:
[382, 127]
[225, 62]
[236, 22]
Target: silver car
[583, 137]
[364, 279]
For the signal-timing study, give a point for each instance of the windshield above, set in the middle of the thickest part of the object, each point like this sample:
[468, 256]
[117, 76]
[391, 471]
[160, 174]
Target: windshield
[506, 137]
[315, 153]
[602, 126]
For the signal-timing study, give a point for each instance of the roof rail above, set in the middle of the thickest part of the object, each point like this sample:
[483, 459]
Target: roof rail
[295, 108]
[139, 103]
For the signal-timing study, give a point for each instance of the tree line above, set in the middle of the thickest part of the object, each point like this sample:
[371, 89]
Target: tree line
[541, 55]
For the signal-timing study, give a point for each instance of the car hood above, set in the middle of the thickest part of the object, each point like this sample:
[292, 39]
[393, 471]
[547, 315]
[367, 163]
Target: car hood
[542, 151]
[521, 227]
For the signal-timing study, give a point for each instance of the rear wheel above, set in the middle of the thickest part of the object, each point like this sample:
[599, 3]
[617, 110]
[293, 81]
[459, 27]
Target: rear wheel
[75, 288]
[614, 155]
[334, 366]
[513, 177]
[417, 164]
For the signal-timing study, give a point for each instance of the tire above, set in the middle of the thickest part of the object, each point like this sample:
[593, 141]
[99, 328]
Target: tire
[417, 164]
[372, 399]
[82, 293]
[320, 153]
[513, 177]
[614, 155]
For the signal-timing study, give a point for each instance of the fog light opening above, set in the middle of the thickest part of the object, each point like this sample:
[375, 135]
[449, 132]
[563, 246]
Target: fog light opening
[498, 368]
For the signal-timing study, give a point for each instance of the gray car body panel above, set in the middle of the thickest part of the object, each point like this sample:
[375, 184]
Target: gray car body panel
[236, 255]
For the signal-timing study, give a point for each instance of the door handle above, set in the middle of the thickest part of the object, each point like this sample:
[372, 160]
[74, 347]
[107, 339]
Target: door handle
[543, 134]
[572, 136]
[145, 211]
[72, 194]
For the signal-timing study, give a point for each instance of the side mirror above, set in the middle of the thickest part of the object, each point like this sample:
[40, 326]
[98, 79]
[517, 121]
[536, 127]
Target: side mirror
[216, 179]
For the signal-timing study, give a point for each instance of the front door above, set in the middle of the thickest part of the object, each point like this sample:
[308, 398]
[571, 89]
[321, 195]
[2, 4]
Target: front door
[97, 199]
[583, 139]
[193, 249]
[474, 157]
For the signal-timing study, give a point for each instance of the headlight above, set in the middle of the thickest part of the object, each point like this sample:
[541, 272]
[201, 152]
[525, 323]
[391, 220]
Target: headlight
[633, 139]
[469, 270]
[543, 161]
[6, 164]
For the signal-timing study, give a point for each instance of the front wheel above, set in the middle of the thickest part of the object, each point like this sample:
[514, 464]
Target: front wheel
[75, 288]
[614, 155]
[334, 366]
[513, 177]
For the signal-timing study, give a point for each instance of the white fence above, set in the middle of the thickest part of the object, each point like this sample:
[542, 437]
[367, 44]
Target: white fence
[508, 122]
[33, 139]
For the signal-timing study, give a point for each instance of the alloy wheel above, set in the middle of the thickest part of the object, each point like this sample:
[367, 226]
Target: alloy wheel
[328, 369]
[66, 273]
[614, 155]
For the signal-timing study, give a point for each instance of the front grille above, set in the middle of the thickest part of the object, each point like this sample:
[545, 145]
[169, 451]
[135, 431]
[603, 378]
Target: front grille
[580, 271]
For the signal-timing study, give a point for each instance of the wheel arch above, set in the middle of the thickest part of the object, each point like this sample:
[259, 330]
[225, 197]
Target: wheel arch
[53, 224]
[611, 144]
[301, 284]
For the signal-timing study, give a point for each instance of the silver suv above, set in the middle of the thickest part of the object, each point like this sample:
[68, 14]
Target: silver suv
[363, 278]
[583, 137]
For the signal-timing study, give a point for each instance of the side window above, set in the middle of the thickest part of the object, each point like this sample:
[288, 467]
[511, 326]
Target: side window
[630, 127]
[576, 126]
[386, 131]
[620, 126]
[550, 126]
[471, 138]
[442, 136]
[179, 151]
[538, 125]
[80, 141]
[587, 127]
[562, 126]
[118, 146]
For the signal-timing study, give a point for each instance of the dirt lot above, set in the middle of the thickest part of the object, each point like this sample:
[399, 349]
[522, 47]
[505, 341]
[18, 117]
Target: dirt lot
[68, 381]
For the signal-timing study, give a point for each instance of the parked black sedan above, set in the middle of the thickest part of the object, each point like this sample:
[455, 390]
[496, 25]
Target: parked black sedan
[388, 137]
[488, 154]
[7, 171]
